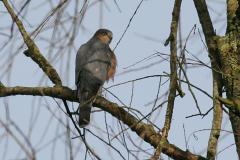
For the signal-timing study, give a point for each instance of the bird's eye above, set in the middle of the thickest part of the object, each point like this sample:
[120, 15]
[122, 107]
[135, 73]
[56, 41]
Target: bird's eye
[104, 34]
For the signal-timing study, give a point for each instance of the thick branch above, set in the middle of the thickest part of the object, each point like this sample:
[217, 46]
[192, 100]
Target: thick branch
[33, 50]
[231, 66]
[143, 130]
[209, 34]
[55, 92]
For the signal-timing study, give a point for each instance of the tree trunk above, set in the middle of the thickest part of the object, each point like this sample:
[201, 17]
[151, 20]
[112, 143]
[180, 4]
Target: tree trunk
[229, 47]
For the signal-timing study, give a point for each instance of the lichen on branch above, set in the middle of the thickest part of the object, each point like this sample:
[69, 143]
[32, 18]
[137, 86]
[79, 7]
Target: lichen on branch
[33, 50]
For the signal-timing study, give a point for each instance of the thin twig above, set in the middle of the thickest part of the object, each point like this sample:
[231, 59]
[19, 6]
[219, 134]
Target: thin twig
[128, 25]
[109, 144]
[17, 140]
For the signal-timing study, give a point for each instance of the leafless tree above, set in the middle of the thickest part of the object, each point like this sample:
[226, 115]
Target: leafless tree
[223, 52]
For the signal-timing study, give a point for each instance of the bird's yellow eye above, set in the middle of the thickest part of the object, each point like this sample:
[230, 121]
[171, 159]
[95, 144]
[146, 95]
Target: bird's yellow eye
[104, 34]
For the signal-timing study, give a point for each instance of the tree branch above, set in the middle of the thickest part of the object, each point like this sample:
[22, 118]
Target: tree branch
[143, 130]
[17, 140]
[173, 66]
[55, 92]
[229, 55]
[209, 34]
[33, 51]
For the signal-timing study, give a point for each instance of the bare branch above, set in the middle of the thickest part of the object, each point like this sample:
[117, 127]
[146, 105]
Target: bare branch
[173, 66]
[209, 34]
[17, 140]
[145, 131]
[33, 50]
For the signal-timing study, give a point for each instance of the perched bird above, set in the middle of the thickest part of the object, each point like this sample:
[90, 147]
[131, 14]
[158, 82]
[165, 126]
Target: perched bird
[95, 64]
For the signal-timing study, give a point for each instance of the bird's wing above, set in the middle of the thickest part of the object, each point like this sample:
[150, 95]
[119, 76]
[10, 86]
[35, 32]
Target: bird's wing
[81, 60]
[92, 65]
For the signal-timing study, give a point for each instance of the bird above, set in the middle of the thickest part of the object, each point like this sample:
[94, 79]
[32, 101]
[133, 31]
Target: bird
[95, 64]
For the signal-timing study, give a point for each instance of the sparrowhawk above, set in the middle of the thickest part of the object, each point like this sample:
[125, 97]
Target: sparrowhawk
[95, 64]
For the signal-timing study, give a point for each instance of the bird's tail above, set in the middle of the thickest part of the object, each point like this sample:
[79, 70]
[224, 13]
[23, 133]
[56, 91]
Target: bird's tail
[84, 114]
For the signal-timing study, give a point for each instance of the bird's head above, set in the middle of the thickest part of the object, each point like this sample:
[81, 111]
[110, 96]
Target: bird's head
[104, 35]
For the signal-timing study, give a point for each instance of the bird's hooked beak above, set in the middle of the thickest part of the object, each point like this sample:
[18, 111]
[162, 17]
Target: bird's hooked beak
[110, 35]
